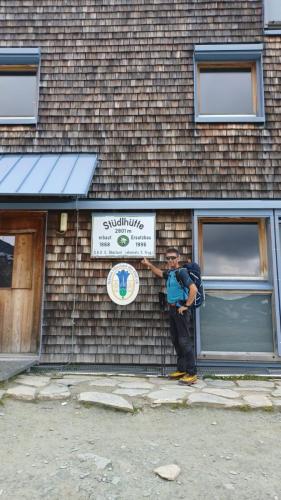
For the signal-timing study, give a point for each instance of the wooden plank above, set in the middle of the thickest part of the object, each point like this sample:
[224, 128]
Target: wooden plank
[23, 261]
[5, 319]
[24, 316]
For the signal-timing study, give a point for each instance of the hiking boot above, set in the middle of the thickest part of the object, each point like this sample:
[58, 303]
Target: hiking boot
[177, 375]
[188, 379]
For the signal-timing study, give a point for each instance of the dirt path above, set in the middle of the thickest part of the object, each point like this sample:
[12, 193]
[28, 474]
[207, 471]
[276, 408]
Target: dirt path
[48, 451]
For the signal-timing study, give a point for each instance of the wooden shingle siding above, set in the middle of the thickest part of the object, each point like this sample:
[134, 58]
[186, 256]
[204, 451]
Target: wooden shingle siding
[117, 79]
[105, 332]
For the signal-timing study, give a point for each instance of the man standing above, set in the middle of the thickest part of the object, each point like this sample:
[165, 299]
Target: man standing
[181, 293]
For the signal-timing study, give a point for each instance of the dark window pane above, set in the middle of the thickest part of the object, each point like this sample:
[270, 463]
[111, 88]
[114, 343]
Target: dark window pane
[236, 322]
[7, 245]
[226, 92]
[18, 95]
[231, 250]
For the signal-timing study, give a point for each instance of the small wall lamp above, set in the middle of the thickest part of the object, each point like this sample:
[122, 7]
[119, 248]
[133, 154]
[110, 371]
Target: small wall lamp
[63, 222]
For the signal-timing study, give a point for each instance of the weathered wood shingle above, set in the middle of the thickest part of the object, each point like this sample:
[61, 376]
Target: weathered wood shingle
[117, 79]
[104, 332]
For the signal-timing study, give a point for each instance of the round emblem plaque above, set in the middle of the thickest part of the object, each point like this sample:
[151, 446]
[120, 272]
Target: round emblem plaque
[123, 284]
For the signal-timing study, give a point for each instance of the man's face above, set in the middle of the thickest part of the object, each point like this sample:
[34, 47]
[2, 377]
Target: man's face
[172, 260]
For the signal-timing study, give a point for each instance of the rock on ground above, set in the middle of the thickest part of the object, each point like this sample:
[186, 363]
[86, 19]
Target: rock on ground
[169, 472]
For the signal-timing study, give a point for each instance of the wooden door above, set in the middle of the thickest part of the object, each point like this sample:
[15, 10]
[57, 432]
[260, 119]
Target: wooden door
[21, 279]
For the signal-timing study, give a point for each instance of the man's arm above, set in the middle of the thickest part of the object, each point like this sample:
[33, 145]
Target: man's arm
[191, 295]
[152, 268]
[188, 283]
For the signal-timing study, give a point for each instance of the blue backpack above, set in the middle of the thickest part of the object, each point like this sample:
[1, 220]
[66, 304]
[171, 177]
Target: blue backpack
[194, 272]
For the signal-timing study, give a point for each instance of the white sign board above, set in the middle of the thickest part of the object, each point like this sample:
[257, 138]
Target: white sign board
[123, 284]
[123, 235]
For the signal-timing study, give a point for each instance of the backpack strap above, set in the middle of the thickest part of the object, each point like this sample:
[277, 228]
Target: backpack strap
[178, 278]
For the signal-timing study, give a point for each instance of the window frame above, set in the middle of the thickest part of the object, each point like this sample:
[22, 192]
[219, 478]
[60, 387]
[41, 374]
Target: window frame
[270, 284]
[262, 247]
[277, 216]
[19, 60]
[270, 28]
[226, 56]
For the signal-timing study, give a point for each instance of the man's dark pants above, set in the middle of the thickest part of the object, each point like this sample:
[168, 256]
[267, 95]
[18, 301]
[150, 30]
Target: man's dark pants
[180, 329]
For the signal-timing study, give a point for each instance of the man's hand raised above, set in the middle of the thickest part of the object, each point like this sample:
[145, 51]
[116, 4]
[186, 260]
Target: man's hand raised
[146, 263]
[152, 268]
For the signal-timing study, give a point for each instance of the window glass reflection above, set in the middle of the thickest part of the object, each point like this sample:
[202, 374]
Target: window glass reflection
[18, 95]
[236, 322]
[7, 245]
[231, 250]
[272, 12]
[226, 91]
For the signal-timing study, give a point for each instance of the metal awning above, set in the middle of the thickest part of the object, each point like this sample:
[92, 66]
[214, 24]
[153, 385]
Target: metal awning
[46, 174]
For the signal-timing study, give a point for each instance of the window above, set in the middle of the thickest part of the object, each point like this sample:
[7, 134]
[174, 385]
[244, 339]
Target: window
[272, 16]
[235, 253]
[232, 249]
[19, 83]
[7, 245]
[228, 83]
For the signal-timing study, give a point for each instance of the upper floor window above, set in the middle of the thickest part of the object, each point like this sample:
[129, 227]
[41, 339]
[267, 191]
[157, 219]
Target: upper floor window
[272, 16]
[19, 85]
[228, 84]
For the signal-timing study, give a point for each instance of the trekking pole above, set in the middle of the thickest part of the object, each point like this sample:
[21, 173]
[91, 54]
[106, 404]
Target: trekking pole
[162, 303]
[194, 334]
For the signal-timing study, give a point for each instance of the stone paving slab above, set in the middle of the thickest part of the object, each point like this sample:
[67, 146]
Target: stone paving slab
[255, 383]
[213, 401]
[276, 393]
[174, 395]
[54, 391]
[187, 388]
[220, 383]
[131, 392]
[276, 403]
[33, 380]
[109, 400]
[128, 393]
[136, 385]
[257, 401]
[23, 392]
[104, 382]
[225, 393]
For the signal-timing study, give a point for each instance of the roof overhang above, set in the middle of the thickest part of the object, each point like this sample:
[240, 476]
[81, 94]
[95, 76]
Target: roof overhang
[148, 204]
[52, 175]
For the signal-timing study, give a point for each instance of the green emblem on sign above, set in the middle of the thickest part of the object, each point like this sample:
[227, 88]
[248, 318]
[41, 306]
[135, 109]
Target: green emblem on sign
[123, 240]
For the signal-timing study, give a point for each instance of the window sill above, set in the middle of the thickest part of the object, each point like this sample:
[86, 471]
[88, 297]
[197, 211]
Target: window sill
[238, 285]
[18, 121]
[272, 31]
[229, 119]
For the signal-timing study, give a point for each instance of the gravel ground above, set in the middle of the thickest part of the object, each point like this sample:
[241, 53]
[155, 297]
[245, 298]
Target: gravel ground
[48, 449]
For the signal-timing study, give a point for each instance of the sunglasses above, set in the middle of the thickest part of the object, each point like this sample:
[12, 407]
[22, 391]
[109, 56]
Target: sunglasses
[171, 258]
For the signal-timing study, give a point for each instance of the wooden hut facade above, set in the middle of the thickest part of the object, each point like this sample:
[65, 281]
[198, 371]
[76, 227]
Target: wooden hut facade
[143, 93]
